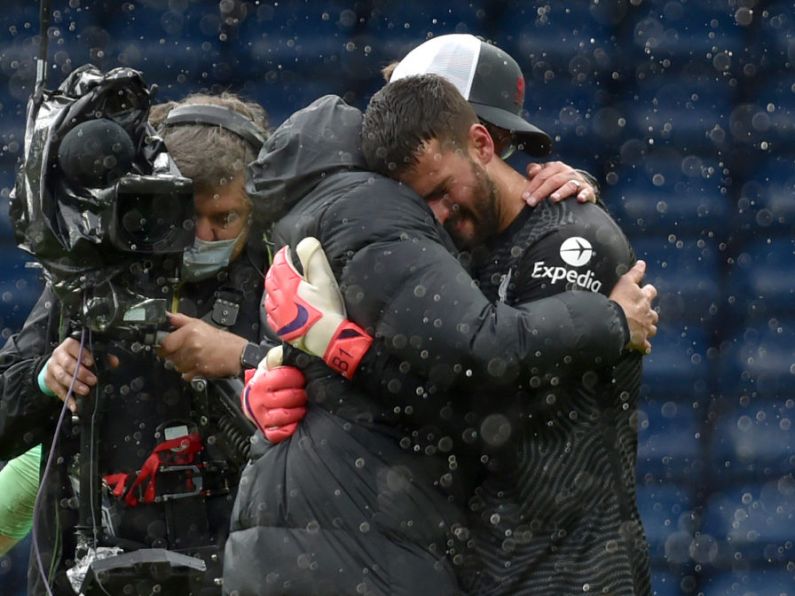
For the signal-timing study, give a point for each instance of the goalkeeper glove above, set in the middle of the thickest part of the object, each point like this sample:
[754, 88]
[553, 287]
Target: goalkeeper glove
[307, 310]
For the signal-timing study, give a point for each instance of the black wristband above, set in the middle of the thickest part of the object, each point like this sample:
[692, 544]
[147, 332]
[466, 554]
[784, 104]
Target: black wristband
[251, 356]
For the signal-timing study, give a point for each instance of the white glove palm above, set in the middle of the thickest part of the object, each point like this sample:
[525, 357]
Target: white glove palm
[308, 311]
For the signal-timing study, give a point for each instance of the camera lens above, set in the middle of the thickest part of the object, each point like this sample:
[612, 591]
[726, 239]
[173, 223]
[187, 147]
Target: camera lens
[149, 214]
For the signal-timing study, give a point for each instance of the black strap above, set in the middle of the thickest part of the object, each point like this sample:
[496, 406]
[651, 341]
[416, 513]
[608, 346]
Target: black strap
[218, 116]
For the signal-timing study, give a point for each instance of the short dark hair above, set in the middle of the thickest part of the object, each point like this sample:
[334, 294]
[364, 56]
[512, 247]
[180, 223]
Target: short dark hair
[406, 114]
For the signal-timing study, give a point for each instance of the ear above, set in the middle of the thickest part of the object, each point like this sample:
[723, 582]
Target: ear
[481, 144]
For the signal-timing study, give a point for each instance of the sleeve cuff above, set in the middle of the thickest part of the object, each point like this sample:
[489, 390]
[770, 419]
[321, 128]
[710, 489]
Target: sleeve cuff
[622, 320]
[347, 348]
[40, 380]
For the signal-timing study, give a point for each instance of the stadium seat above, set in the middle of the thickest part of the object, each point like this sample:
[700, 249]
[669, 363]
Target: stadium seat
[776, 33]
[665, 582]
[168, 61]
[669, 440]
[764, 581]
[285, 93]
[73, 39]
[667, 513]
[190, 22]
[670, 192]
[752, 438]
[686, 33]
[12, 132]
[20, 287]
[6, 227]
[760, 284]
[171, 44]
[392, 29]
[690, 114]
[19, 69]
[18, 13]
[758, 360]
[569, 41]
[314, 41]
[567, 113]
[308, 55]
[765, 208]
[755, 523]
[775, 119]
[679, 367]
[686, 273]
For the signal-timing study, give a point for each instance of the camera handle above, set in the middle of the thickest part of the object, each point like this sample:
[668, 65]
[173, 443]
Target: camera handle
[90, 412]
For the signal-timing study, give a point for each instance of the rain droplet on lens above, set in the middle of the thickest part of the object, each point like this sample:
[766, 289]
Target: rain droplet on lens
[744, 16]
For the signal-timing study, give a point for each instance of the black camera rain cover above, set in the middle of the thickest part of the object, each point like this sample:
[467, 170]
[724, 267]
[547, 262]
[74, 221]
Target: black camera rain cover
[62, 224]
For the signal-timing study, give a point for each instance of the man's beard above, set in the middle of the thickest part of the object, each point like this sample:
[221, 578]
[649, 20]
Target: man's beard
[484, 215]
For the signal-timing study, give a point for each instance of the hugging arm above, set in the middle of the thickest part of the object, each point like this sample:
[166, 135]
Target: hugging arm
[434, 321]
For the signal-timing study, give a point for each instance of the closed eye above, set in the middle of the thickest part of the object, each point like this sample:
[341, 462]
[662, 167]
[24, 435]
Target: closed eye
[438, 192]
[226, 219]
[435, 196]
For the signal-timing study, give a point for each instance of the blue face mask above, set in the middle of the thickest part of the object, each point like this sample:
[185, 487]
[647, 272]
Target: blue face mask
[206, 258]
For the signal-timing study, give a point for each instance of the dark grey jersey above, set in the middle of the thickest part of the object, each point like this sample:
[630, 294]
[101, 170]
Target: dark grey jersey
[556, 512]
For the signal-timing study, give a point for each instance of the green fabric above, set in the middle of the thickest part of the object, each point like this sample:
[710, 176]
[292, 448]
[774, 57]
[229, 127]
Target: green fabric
[19, 482]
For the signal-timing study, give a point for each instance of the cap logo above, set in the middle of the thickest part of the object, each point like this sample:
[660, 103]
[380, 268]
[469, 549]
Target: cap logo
[519, 97]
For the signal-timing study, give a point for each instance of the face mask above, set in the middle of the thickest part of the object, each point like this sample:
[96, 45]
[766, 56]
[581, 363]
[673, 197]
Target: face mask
[206, 258]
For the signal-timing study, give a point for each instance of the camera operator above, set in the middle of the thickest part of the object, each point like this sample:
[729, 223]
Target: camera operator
[149, 395]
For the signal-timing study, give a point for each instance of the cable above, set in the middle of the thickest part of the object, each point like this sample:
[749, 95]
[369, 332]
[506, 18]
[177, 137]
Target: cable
[48, 465]
[92, 488]
[92, 454]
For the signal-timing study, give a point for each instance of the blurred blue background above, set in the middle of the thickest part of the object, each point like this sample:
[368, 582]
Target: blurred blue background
[683, 109]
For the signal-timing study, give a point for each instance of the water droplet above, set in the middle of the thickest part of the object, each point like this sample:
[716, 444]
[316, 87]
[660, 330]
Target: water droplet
[744, 16]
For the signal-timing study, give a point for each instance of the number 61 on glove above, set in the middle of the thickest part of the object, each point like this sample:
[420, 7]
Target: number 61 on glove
[308, 312]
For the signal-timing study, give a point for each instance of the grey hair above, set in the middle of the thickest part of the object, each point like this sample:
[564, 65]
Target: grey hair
[210, 155]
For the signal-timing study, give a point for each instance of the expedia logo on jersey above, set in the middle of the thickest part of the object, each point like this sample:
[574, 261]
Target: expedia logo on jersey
[575, 251]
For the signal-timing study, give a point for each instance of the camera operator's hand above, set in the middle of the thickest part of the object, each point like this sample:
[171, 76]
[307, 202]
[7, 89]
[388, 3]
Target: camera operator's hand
[636, 301]
[61, 369]
[197, 349]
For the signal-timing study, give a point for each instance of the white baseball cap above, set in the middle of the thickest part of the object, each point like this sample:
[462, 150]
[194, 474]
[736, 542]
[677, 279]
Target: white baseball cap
[486, 76]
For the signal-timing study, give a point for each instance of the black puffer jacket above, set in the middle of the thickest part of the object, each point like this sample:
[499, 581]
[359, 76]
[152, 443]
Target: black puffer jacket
[364, 497]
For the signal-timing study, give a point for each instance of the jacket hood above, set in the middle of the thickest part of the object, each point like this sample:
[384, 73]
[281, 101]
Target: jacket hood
[313, 143]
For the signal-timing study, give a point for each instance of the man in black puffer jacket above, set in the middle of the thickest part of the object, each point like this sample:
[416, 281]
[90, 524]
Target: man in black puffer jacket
[366, 495]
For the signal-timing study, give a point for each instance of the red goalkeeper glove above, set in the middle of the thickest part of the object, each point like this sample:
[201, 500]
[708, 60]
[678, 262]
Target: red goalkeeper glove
[308, 312]
[274, 397]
